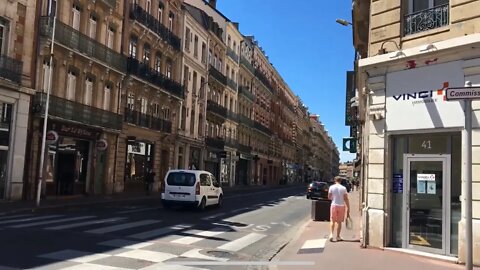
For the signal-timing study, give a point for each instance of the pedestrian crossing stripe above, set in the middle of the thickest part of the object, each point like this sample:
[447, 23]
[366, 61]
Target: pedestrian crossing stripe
[242, 242]
[124, 226]
[199, 236]
[28, 219]
[159, 232]
[50, 222]
[83, 224]
[313, 246]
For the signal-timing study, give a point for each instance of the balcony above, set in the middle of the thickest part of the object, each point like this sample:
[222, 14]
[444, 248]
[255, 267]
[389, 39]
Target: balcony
[73, 39]
[70, 110]
[258, 126]
[140, 15]
[232, 55]
[232, 143]
[245, 120]
[244, 148]
[147, 121]
[232, 84]
[218, 142]
[218, 75]
[245, 91]
[216, 108]
[426, 19]
[232, 116]
[247, 64]
[10, 69]
[264, 80]
[143, 71]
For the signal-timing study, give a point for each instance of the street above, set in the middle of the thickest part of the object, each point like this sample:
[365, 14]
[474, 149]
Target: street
[143, 235]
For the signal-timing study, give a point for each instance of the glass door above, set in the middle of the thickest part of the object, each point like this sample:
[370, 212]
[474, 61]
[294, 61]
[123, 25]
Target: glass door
[427, 202]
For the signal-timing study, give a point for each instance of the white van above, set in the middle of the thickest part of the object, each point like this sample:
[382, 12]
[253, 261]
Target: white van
[191, 188]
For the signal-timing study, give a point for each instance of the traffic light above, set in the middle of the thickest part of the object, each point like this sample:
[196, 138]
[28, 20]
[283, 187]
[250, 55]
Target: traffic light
[350, 145]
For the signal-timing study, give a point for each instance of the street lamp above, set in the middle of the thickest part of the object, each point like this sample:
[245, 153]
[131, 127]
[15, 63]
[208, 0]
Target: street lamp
[343, 22]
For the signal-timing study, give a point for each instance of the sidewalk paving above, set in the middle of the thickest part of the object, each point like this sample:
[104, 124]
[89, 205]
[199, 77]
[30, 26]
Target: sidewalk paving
[9, 207]
[348, 254]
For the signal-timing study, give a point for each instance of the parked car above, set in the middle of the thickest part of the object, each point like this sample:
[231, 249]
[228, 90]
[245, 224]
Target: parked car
[191, 188]
[317, 190]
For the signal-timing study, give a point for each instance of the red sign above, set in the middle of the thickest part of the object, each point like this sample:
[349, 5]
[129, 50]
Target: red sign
[51, 137]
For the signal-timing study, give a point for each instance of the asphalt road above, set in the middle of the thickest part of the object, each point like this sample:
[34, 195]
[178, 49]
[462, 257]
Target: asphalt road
[142, 235]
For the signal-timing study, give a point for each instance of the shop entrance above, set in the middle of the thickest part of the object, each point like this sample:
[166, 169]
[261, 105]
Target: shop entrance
[427, 202]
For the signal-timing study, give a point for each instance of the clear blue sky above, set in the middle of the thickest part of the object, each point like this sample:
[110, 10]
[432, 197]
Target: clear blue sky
[309, 49]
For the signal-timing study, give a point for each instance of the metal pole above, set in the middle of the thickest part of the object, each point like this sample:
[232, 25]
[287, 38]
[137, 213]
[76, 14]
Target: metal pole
[468, 189]
[44, 134]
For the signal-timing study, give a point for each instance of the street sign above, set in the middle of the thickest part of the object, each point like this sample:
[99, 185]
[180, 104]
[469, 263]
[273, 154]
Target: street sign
[461, 93]
[353, 131]
[350, 145]
[350, 93]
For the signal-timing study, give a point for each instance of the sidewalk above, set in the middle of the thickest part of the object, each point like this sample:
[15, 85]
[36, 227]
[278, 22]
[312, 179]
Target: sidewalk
[311, 245]
[9, 207]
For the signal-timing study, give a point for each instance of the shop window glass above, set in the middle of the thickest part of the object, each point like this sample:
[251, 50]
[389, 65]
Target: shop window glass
[399, 147]
[5, 121]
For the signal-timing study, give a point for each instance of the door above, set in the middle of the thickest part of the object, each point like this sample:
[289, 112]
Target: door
[427, 202]
[99, 173]
[214, 192]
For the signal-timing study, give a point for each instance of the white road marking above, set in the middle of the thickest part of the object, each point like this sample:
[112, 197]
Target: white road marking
[137, 210]
[29, 219]
[14, 216]
[81, 224]
[213, 216]
[242, 242]
[147, 255]
[195, 253]
[124, 226]
[127, 244]
[50, 222]
[159, 232]
[188, 240]
[274, 223]
[163, 266]
[90, 266]
[317, 243]
[286, 224]
[261, 228]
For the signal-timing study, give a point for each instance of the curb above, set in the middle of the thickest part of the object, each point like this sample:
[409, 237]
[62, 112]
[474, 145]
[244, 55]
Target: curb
[144, 198]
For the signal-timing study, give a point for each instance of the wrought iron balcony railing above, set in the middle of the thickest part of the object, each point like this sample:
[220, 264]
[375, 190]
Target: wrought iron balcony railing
[232, 84]
[244, 148]
[232, 143]
[247, 64]
[263, 80]
[73, 111]
[232, 116]
[217, 75]
[258, 126]
[245, 120]
[11, 69]
[217, 142]
[232, 55]
[245, 91]
[148, 121]
[142, 16]
[143, 71]
[426, 19]
[73, 39]
[216, 108]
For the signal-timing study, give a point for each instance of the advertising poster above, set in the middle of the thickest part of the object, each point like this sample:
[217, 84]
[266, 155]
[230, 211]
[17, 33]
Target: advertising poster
[421, 186]
[425, 182]
[431, 187]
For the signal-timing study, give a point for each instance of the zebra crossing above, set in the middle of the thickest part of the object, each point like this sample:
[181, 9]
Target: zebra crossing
[138, 244]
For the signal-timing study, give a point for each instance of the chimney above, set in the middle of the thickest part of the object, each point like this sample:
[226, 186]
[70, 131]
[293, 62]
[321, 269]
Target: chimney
[213, 3]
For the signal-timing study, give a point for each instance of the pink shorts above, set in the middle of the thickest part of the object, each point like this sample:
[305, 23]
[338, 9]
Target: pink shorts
[337, 213]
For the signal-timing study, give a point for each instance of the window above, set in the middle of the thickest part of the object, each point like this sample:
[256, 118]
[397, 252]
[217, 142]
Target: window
[210, 57]
[76, 17]
[204, 52]
[195, 47]
[146, 54]
[185, 77]
[158, 62]
[110, 37]
[106, 97]
[143, 105]
[194, 87]
[420, 5]
[148, 6]
[220, 65]
[45, 75]
[71, 84]
[88, 91]
[171, 17]
[156, 110]
[169, 69]
[437, 12]
[192, 121]
[234, 46]
[187, 39]
[160, 14]
[166, 113]
[205, 180]
[131, 101]
[229, 41]
[202, 87]
[92, 27]
[132, 48]
[3, 36]
[215, 61]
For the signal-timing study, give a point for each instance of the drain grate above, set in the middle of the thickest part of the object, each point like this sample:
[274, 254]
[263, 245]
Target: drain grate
[220, 254]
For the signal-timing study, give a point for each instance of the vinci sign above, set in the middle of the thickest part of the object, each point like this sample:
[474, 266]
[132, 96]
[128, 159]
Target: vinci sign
[419, 94]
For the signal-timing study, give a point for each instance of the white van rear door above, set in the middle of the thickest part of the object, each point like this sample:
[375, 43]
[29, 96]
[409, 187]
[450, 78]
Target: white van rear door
[180, 186]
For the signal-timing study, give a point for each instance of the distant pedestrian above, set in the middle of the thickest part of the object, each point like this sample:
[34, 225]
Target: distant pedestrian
[338, 194]
[149, 179]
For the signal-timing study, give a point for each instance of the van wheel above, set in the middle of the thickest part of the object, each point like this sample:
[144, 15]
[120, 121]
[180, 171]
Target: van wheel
[203, 204]
[220, 201]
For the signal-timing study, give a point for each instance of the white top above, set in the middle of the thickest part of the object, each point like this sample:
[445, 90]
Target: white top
[337, 191]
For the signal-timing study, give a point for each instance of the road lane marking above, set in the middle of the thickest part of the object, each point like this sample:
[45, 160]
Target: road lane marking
[137, 210]
[91, 266]
[164, 266]
[127, 244]
[147, 255]
[81, 224]
[124, 226]
[242, 242]
[29, 219]
[313, 246]
[159, 232]
[50, 222]
[203, 235]
[14, 216]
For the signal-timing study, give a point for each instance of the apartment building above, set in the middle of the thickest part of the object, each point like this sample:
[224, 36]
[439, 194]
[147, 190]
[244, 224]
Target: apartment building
[84, 118]
[16, 89]
[153, 91]
[412, 136]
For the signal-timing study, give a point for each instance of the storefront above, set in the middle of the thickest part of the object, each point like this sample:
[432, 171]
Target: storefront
[139, 160]
[243, 169]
